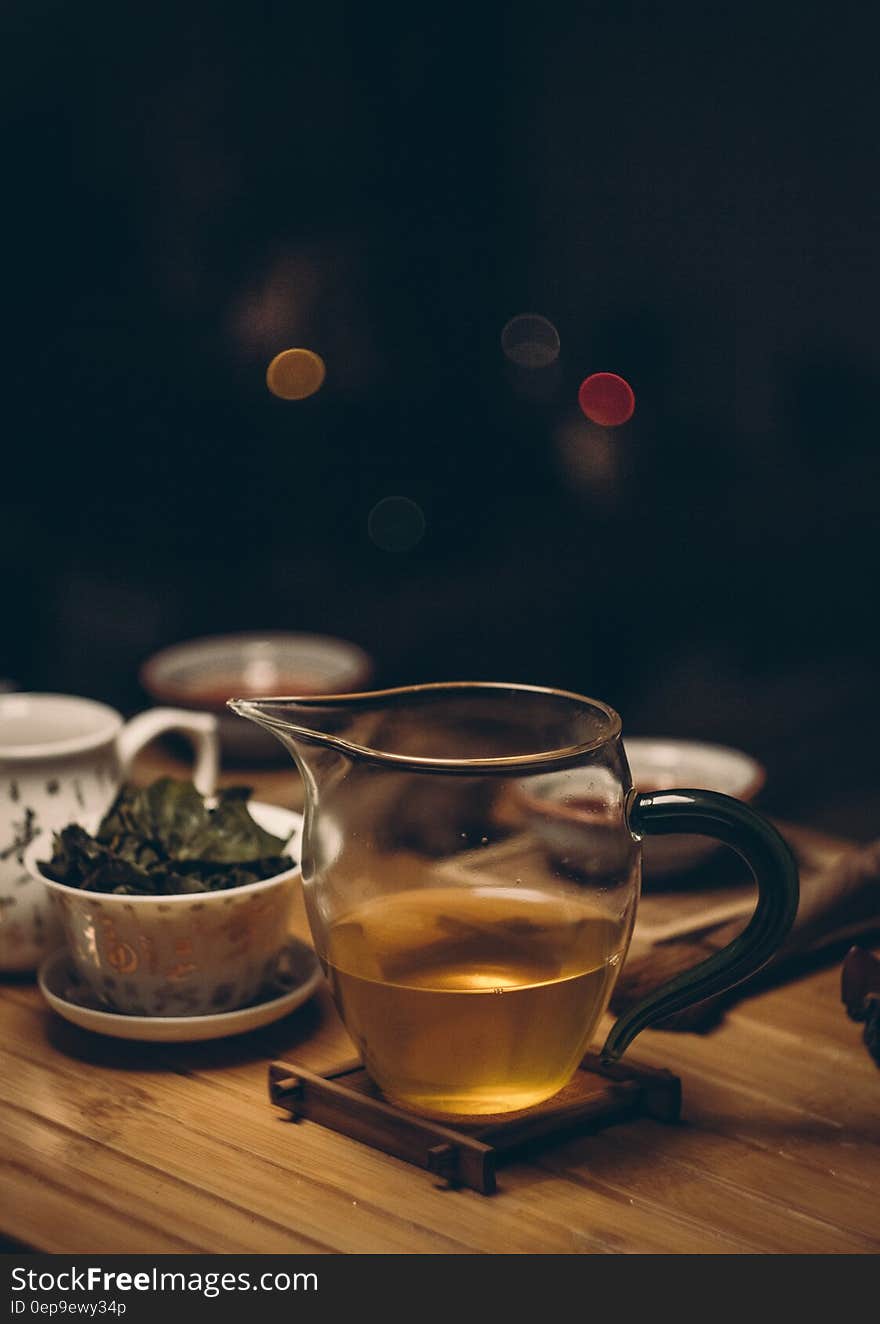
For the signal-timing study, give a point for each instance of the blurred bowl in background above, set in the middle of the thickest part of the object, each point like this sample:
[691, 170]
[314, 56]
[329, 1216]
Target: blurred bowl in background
[203, 673]
[661, 765]
[560, 815]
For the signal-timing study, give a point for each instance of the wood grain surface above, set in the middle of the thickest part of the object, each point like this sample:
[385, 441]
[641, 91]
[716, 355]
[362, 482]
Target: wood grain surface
[108, 1146]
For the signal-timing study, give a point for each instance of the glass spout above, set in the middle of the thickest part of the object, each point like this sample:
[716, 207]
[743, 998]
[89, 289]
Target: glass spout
[293, 720]
[313, 731]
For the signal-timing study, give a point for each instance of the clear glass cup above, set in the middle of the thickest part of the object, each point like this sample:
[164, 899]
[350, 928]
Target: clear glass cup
[472, 913]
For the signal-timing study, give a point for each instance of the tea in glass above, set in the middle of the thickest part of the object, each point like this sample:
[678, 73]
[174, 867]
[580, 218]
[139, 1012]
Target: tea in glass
[472, 1000]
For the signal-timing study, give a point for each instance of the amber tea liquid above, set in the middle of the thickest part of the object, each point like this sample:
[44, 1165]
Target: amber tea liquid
[472, 1000]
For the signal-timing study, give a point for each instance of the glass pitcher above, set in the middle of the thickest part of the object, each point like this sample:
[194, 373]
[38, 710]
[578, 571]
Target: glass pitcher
[471, 868]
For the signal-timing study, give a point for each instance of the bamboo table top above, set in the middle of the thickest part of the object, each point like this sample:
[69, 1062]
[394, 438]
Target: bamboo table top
[108, 1146]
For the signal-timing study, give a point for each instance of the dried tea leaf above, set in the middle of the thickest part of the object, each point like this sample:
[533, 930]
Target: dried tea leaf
[860, 978]
[860, 990]
[230, 836]
[166, 813]
[162, 840]
[872, 1028]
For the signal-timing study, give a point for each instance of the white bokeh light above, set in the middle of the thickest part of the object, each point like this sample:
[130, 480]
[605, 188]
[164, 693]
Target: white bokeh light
[530, 341]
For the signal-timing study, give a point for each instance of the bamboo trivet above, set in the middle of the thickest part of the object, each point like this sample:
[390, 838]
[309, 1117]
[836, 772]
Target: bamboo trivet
[467, 1153]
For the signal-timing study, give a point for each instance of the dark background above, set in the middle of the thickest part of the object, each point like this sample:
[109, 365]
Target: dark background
[691, 197]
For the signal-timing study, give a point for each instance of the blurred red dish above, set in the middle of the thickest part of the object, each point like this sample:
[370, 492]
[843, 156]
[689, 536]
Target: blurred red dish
[204, 673]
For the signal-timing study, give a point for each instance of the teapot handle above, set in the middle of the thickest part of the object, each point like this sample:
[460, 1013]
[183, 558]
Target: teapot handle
[775, 871]
[201, 727]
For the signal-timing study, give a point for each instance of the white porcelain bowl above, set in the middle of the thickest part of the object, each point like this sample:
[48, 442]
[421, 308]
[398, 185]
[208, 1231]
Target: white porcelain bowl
[656, 765]
[188, 955]
[204, 673]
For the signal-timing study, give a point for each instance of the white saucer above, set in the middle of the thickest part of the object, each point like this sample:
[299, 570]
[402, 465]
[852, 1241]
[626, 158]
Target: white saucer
[298, 978]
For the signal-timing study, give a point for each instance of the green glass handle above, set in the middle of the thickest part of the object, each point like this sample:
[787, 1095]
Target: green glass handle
[775, 871]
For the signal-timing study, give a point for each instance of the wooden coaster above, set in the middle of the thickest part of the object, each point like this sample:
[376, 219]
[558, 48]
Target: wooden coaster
[467, 1153]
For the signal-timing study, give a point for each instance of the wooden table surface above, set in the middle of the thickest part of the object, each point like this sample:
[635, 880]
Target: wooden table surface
[108, 1146]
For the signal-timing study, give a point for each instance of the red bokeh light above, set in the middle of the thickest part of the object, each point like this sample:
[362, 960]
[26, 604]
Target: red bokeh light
[607, 399]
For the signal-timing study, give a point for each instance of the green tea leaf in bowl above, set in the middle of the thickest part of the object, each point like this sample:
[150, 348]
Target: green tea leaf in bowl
[166, 813]
[163, 840]
[230, 835]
